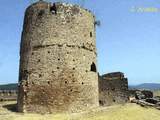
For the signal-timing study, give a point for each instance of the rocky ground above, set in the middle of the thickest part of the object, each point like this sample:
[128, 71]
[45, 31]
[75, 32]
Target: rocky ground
[128, 111]
[145, 98]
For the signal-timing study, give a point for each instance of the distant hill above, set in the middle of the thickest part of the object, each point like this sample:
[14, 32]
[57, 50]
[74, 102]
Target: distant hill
[150, 86]
[9, 86]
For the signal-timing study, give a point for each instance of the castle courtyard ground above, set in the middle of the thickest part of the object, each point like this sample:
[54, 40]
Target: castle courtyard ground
[118, 112]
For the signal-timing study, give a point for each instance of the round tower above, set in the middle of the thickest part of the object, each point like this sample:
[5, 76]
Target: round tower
[57, 59]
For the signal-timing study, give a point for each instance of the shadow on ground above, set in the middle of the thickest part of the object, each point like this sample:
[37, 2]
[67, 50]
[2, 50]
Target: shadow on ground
[11, 107]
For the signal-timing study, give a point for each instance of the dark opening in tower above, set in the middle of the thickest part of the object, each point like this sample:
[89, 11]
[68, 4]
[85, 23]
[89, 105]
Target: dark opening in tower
[93, 67]
[53, 9]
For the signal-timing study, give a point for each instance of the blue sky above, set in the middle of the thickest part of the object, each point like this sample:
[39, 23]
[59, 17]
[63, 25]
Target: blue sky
[127, 40]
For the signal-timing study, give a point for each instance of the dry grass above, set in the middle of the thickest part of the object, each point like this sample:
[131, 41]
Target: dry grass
[156, 93]
[119, 112]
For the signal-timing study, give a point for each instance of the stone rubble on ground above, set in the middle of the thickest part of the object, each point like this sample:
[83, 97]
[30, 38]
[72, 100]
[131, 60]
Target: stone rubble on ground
[145, 98]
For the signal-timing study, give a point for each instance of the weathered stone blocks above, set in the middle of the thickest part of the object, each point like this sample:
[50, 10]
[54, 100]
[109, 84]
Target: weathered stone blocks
[57, 59]
[113, 89]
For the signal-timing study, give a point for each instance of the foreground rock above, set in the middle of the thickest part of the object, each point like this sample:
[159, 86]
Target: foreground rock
[145, 98]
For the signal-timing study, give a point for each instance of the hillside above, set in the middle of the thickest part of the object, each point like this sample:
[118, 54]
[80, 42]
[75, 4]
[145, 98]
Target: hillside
[9, 87]
[118, 112]
[150, 86]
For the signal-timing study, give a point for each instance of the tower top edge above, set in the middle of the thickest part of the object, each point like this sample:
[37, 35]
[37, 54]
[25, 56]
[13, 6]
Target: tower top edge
[41, 3]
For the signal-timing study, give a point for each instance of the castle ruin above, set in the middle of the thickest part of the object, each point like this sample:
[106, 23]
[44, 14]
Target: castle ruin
[57, 59]
[113, 89]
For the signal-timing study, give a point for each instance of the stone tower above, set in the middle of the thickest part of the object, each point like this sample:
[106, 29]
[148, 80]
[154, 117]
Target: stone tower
[57, 59]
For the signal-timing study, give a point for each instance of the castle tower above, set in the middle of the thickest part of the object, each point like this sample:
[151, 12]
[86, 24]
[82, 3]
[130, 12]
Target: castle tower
[57, 59]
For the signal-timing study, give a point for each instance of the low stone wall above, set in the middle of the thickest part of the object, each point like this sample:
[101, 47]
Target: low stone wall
[113, 89]
[140, 94]
[8, 95]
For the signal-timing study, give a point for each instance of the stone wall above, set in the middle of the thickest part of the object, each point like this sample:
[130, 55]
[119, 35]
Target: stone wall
[113, 89]
[57, 59]
[8, 95]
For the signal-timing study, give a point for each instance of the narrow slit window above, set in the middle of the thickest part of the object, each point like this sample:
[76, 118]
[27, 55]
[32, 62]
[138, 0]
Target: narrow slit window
[93, 67]
[91, 34]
